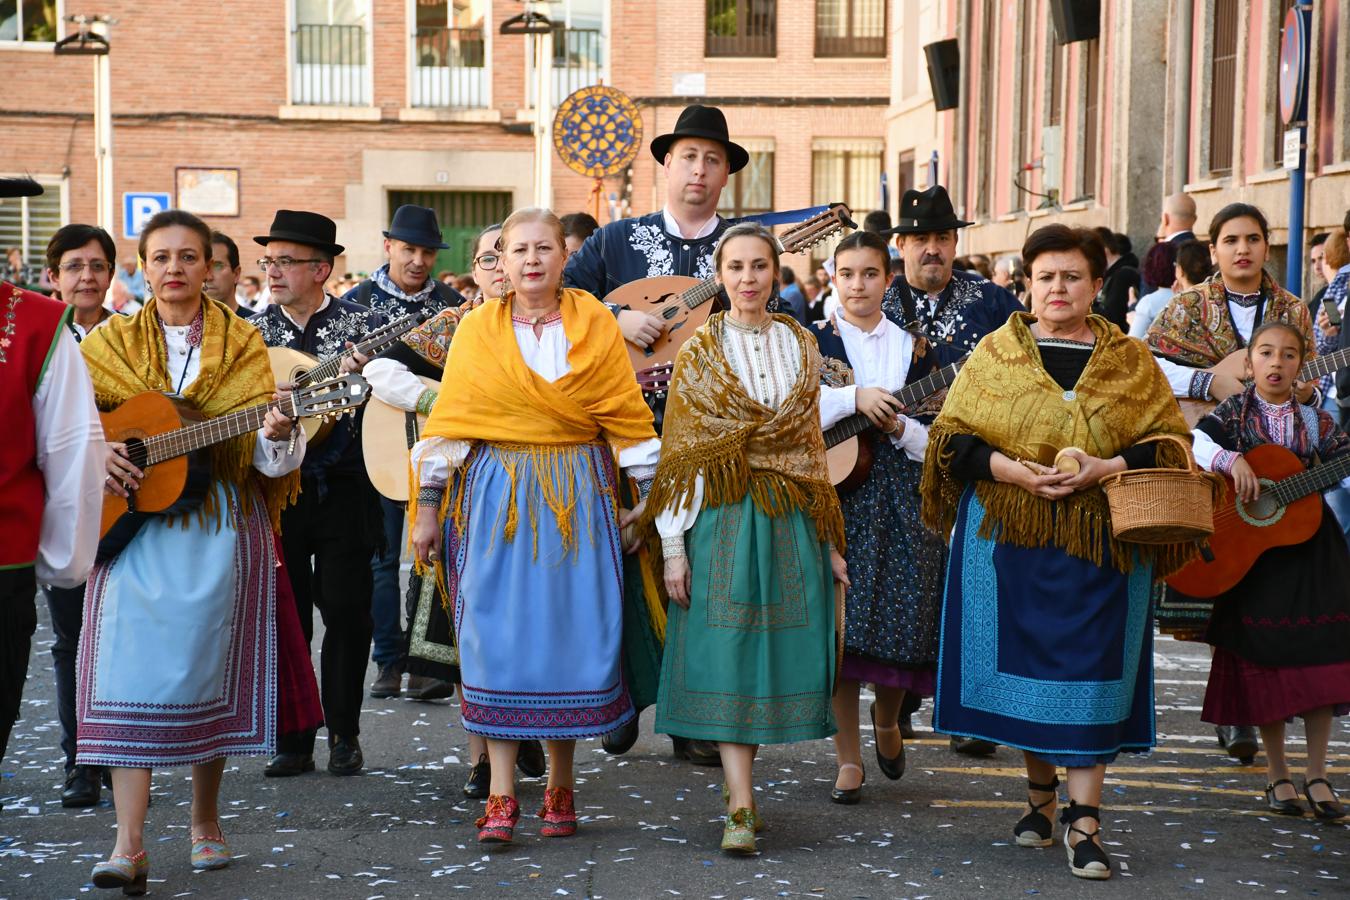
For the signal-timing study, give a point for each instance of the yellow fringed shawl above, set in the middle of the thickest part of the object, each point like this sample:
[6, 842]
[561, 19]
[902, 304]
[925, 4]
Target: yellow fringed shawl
[1005, 397]
[127, 356]
[489, 395]
[715, 429]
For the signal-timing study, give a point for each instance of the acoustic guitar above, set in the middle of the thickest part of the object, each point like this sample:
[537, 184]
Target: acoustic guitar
[166, 440]
[685, 303]
[1288, 511]
[1235, 364]
[388, 434]
[302, 369]
[848, 445]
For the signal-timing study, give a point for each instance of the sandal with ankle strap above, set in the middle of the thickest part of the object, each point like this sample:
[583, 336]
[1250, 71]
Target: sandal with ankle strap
[1035, 828]
[1087, 859]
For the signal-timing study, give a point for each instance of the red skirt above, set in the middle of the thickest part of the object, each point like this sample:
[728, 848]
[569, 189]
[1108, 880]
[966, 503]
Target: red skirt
[1244, 693]
[298, 705]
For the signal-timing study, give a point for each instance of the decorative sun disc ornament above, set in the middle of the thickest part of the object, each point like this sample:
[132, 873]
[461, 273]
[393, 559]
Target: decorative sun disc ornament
[597, 131]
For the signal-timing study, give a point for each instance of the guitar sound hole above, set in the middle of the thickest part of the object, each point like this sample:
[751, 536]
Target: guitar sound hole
[136, 452]
[1263, 507]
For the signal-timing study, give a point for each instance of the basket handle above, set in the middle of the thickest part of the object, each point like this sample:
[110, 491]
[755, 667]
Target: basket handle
[1186, 447]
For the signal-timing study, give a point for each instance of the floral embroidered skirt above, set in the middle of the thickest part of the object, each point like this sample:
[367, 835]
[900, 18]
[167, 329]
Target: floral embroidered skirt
[538, 619]
[1044, 651]
[752, 660]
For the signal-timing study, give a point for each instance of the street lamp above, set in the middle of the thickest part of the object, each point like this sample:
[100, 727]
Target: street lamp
[91, 39]
[538, 26]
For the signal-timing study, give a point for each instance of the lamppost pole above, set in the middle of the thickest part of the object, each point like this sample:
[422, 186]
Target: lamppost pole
[91, 39]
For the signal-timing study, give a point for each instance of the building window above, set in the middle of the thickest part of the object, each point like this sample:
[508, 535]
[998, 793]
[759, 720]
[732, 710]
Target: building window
[28, 223]
[904, 176]
[450, 54]
[847, 172]
[578, 47]
[28, 21]
[331, 67]
[742, 28]
[1276, 123]
[850, 27]
[749, 191]
[1054, 103]
[1092, 63]
[1223, 86]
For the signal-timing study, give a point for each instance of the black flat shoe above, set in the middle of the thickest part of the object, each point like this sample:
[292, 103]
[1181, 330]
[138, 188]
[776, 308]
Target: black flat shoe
[344, 755]
[969, 746]
[891, 767]
[1290, 807]
[530, 759]
[288, 765]
[849, 796]
[700, 753]
[1087, 859]
[1239, 741]
[1035, 828]
[480, 780]
[1326, 810]
[83, 788]
[621, 740]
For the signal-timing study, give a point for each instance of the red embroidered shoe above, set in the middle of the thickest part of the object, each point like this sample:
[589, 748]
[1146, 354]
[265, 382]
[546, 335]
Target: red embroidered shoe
[498, 826]
[559, 813]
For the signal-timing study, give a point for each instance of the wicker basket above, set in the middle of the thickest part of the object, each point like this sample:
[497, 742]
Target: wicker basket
[1163, 506]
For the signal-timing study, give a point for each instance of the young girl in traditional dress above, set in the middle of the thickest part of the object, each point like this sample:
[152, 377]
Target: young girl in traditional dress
[1281, 637]
[896, 565]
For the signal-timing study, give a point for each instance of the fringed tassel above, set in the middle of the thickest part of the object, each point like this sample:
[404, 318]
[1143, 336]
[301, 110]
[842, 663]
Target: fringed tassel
[651, 592]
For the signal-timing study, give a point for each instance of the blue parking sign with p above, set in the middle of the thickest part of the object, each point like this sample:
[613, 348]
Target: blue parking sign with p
[137, 210]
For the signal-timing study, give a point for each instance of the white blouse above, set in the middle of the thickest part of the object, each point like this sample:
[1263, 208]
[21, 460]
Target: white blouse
[880, 358]
[394, 383]
[767, 360]
[185, 364]
[434, 458]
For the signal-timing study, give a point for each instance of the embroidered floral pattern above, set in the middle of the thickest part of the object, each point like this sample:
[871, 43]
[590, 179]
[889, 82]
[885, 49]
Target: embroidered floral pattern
[650, 241]
[330, 329]
[9, 327]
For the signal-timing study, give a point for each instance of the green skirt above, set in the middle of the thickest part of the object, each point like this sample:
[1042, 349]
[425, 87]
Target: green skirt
[752, 660]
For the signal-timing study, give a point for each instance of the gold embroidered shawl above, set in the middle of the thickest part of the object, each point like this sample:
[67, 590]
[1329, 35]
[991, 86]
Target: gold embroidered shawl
[1005, 397]
[127, 356]
[1194, 329]
[714, 428]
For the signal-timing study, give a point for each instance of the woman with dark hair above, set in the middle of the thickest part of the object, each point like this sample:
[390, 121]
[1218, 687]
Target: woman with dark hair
[80, 262]
[1046, 637]
[178, 645]
[890, 623]
[1158, 273]
[750, 532]
[1120, 282]
[1200, 337]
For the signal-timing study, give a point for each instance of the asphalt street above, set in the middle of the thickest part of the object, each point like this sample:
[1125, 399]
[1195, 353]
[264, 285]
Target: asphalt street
[1184, 820]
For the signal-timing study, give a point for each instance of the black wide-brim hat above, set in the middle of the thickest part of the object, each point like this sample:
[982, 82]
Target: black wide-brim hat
[416, 225]
[925, 211]
[19, 187]
[308, 228]
[705, 122]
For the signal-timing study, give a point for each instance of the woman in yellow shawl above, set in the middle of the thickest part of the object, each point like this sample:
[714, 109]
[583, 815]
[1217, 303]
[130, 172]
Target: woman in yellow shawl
[518, 456]
[750, 531]
[1046, 627]
[178, 650]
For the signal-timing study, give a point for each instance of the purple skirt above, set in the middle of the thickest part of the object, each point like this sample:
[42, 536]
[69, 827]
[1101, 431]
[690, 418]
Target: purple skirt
[917, 681]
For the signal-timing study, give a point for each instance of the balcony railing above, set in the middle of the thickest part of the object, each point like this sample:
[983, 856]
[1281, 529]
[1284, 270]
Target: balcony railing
[578, 61]
[449, 70]
[741, 28]
[330, 66]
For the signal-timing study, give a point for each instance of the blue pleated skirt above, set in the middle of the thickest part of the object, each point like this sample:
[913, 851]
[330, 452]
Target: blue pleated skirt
[539, 623]
[1044, 651]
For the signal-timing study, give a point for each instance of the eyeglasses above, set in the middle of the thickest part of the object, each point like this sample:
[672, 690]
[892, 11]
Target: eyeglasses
[487, 262]
[96, 266]
[282, 262]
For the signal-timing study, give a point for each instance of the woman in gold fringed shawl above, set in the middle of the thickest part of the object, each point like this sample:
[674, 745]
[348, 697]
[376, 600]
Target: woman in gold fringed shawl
[750, 530]
[178, 651]
[1046, 626]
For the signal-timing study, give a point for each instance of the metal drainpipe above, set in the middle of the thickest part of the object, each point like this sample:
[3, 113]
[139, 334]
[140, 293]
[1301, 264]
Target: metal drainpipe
[1181, 117]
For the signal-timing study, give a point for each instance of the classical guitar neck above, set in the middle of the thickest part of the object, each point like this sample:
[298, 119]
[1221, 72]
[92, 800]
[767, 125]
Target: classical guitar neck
[182, 441]
[374, 343]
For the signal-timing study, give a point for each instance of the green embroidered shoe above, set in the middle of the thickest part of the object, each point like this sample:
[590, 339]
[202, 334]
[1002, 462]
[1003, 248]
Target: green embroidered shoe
[739, 834]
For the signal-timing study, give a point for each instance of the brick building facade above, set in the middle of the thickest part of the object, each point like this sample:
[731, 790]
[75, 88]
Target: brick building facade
[349, 107]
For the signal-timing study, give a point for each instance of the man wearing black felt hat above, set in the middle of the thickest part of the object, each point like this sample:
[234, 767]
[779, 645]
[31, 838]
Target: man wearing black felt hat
[406, 284]
[698, 156]
[949, 307]
[330, 533]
